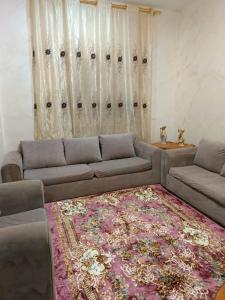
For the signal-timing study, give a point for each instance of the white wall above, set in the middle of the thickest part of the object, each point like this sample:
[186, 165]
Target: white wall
[200, 92]
[2, 144]
[16, 90]
[188, 72]
[164, 72]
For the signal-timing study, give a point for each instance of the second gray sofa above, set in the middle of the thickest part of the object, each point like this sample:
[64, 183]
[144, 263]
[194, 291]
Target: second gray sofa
[84, 166]
[197, 175]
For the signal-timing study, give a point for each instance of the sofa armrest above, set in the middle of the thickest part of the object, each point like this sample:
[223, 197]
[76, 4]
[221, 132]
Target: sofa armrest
[151, 153]
[12, 167]
[176, 158]
[26, 262]
[24, 239]
[20, 196]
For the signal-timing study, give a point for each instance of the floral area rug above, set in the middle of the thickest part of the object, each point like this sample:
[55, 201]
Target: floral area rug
[135, 244]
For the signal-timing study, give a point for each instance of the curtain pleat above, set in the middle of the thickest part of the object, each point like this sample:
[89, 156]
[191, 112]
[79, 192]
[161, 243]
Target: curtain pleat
[91, 69]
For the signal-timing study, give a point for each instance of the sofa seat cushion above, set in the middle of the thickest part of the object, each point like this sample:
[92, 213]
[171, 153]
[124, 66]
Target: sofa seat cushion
[120, 166]
[208, 183]
[42, 154]
[57, 175]
[30, 216]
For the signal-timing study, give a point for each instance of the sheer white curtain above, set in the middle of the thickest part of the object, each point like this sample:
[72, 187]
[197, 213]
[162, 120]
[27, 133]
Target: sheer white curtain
[91, 68]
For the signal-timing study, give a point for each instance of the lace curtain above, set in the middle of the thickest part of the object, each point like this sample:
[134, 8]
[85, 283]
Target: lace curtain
[91, 69]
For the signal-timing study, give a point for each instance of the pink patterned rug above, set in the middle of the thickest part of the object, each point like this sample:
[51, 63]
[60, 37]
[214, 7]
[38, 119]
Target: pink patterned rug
[135, 244]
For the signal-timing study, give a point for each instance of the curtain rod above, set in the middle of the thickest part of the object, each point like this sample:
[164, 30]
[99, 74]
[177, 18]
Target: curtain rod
[150, 10]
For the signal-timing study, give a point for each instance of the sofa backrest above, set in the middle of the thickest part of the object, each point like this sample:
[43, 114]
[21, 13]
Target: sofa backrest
[115, 146]
[60, 152]
[210, 155]
[222, 173]
[82, 150]
[42, 154]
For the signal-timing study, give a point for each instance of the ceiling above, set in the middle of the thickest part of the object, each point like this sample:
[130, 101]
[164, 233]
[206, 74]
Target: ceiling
[163, 4]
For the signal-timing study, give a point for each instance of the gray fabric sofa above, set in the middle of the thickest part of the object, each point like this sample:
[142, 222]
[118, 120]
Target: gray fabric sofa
[84, 166]
[197, 175]
[25, 248]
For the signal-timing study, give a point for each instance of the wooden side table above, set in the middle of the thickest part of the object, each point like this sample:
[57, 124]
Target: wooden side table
[171, 145]
[221, 293]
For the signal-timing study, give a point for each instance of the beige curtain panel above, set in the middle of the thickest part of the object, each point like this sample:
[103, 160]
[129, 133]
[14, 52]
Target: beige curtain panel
[91, 69]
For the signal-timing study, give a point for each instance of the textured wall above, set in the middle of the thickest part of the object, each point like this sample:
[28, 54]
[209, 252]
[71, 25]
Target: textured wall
[164, 58]
[16, 94]
[200, 91]
[2, 146]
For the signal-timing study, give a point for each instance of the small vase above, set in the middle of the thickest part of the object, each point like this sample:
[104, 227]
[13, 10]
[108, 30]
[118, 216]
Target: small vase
[163, 135]
[163, 139]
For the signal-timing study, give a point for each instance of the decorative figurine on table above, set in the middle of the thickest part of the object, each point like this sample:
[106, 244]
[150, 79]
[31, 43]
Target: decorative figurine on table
[181, 137]
[163, 135]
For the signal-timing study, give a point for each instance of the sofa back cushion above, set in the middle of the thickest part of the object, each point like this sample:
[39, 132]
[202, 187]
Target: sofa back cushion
[210, 155]
[42, 154]
[222, 173]
[116, 146]
[82, 150]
